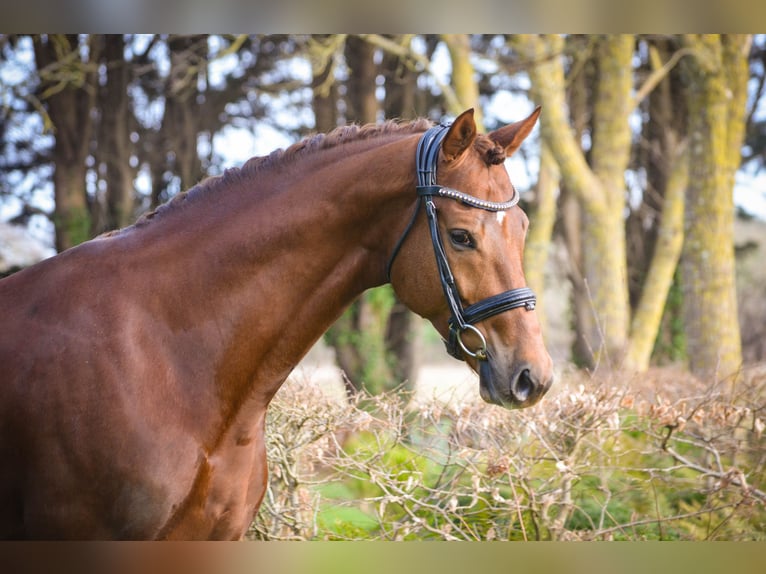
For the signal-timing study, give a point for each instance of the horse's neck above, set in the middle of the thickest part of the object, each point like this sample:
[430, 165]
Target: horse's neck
[273, 269]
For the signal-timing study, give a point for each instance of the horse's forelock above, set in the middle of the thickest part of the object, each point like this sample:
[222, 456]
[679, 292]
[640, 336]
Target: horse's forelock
[489, 151]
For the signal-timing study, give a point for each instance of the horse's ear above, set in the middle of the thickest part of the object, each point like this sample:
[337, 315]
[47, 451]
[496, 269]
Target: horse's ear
[460, 136]
[511, 136]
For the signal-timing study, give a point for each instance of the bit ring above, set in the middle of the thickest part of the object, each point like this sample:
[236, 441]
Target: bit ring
[481, 352]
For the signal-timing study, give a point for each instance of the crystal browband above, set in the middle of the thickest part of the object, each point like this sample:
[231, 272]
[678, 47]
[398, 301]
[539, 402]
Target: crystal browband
[450, 193]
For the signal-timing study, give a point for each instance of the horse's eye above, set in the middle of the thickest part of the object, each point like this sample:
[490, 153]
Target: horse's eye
[461, 238]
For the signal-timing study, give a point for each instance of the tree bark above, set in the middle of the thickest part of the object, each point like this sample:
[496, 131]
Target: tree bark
[463, 77]
[400, 82]
[579, 98]
[657, 225]
[667, 250]
[402, 328]
[68, 86]
[362, 105]
[599, 187]
[182, 120]
[372, 340]
[604, 249]
[539, 238]
[717, 92]
[324, 101]
[114, 143]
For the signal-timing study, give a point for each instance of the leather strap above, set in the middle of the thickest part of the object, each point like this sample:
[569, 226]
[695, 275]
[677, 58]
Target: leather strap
[427, 159]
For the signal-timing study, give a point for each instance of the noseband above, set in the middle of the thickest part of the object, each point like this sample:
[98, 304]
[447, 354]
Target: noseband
[461, 319]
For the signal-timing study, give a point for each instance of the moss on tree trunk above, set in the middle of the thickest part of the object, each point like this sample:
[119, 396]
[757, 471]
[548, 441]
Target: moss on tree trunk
[717, 92]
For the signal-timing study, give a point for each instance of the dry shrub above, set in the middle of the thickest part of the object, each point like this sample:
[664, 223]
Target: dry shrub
[599, 460]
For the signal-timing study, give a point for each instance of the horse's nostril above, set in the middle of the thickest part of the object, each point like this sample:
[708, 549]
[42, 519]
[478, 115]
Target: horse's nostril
[524, 386]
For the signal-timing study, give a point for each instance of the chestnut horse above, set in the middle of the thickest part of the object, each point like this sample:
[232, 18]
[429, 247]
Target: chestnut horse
[136, 368]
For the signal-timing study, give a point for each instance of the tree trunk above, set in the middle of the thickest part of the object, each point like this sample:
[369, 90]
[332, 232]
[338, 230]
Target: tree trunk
[324, 101]
[114, 143]
[372, 340]
[401, 87]
[658, 223]
[604, 249]
[357, 336]
[463, 76]
[579, 98]
[362, 105]
[539, 238]
[717, 93]
[326, 110]
[667, 250]
[182, 110]
[403, 328]
[600, 189]
[68, 86]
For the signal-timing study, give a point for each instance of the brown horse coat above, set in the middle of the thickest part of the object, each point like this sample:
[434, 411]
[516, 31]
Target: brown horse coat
[136, 368]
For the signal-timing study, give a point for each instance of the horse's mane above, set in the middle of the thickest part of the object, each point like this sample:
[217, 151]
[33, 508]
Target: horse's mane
[308, 146]
[339, 136]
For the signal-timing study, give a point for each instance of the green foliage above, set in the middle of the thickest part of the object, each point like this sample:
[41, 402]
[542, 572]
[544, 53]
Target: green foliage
[670, 345]
[343, 522]
[359, 339]
[74, 225]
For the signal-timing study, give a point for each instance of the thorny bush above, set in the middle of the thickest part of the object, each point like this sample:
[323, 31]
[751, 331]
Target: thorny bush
[662, 458]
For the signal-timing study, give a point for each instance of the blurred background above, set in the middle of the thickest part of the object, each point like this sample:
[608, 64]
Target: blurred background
[645, 185]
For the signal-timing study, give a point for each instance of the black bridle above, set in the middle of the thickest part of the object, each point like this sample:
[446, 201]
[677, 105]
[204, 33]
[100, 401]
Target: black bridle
[461, 319]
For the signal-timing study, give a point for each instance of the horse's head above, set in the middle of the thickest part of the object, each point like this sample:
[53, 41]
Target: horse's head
[472, 224]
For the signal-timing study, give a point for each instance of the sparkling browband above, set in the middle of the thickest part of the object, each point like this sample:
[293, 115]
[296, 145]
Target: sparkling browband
[450, 193]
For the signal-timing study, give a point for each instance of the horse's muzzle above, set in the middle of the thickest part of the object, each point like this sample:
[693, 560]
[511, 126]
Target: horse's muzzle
[523, 388]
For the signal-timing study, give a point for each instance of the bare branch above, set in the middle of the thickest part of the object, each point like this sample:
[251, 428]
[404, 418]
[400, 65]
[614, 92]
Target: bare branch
[417, 62]
[576, 467]
[659, 72]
